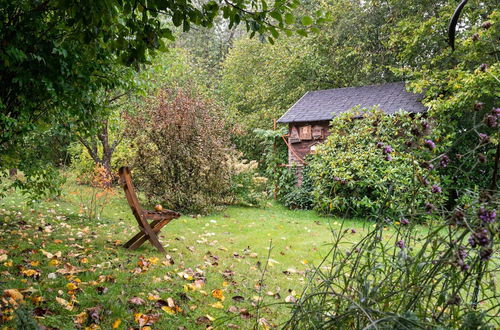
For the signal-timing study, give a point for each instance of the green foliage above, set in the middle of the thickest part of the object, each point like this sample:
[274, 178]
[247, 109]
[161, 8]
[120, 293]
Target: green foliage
[247, 186]
[461, 88]
[365, 166]
[82, 165]
[24, 319]
[294, 196]
[57, 58]
[181, 152]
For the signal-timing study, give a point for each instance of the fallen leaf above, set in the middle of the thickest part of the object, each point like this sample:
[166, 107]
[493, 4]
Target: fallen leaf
[203, 320]
[81, 318]
[218, 305]
[217, 294]
[14, 294]
[136, 301]
[116, 324]
[168, 310]
[63, 302]
[233, 309]
[238, 298]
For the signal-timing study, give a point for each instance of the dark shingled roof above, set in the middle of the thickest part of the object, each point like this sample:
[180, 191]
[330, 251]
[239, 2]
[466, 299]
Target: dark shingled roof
[325, 104]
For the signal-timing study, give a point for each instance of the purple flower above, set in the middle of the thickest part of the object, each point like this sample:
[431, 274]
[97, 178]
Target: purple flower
[458, 215]
[483, 138]
[479, 106]
[444, 161]
[483, 67]
[423, 180]
[464, 267]
[400, 244]
[479, 238]
[387, 150]
[486, 25]
[429, 208]
[426, 127]
[427, 165]
[388, 158]
[461, 253]
[485, 254]
[491, 120]
[353, 231]
[475, 37]
[380, 145]
[487, 216]
[495, 112]
[405, 222]
[429, 144]
[436, 189]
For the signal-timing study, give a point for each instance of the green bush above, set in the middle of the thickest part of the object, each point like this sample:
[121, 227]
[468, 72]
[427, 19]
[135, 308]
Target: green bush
[294, 196]
[83, 165]
[367, 165]
[247, 186]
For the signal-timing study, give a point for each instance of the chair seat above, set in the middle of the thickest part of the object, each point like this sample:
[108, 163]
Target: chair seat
[160, 215]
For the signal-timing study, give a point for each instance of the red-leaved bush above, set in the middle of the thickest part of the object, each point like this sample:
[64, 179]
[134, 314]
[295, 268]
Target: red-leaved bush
[181, 147]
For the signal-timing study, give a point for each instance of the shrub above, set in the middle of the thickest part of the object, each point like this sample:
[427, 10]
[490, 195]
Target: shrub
[365, 160]
[181, 151]
[247, 186]
[411, 277]
[294, 196]
[83, 165]
[93, 200]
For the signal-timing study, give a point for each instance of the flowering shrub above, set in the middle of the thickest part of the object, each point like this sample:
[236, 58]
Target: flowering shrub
[442, 276]
[181, 152]
[367, 166]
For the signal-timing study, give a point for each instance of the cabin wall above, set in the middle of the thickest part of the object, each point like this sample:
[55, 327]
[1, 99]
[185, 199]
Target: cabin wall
[300, 146]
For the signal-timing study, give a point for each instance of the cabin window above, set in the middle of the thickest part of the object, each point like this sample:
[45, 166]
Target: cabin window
[294, 135]
[306, 132]
[317, 132]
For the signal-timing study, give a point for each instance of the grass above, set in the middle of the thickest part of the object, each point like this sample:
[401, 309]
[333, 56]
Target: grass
[226, 251]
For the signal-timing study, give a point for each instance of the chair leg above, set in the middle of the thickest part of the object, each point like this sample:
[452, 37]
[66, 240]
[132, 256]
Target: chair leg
[157, 225]
[138, 236]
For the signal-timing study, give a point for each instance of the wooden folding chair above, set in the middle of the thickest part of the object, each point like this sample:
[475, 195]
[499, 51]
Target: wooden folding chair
[149, 230]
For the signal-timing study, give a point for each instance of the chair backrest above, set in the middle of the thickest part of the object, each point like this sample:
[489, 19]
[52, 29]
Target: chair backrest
[128, 187]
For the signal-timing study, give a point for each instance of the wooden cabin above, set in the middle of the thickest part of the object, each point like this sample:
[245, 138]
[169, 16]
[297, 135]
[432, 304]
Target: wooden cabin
[308, 120]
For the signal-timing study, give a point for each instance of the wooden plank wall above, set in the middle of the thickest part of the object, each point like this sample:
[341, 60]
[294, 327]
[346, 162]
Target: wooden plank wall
[302, 144]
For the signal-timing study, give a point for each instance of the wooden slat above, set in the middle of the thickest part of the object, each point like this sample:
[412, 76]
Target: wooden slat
[147, 231]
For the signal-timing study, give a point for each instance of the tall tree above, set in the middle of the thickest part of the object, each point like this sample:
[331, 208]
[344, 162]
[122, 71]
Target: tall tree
[57, 56]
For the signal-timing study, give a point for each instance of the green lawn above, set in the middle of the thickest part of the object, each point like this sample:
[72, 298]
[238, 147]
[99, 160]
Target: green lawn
[70, 269]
